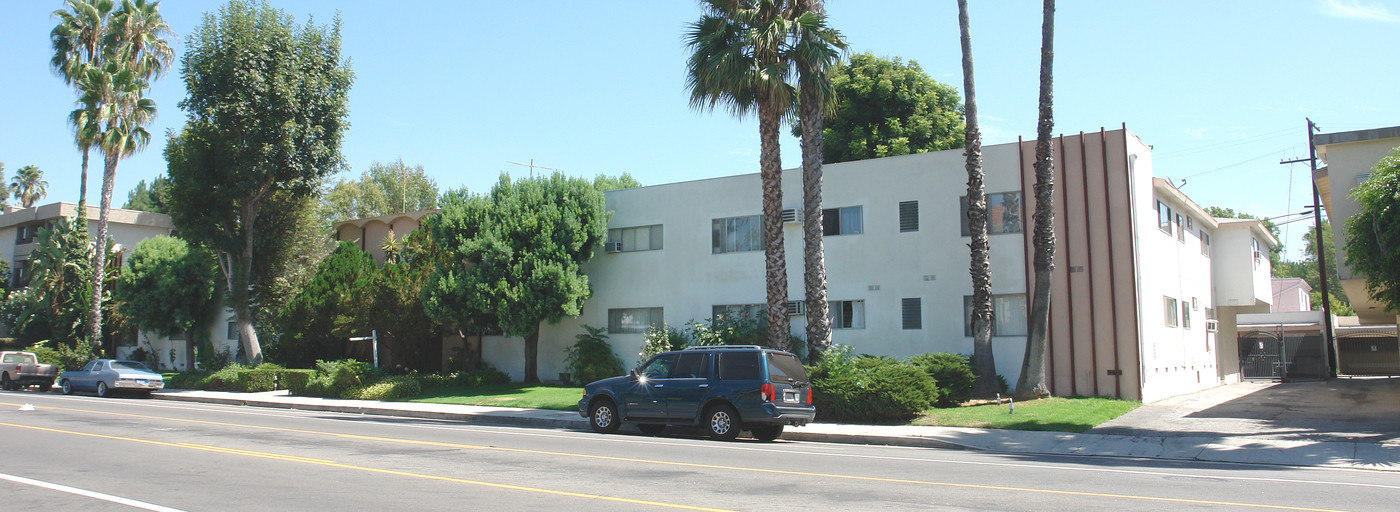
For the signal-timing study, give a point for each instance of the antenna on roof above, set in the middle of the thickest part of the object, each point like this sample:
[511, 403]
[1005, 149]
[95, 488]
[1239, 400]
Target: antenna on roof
[532, 166]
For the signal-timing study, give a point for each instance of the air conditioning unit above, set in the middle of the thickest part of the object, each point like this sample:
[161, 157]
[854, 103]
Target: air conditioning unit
[796, 308]
[1212, 325]
[612, 246]
[792, 215]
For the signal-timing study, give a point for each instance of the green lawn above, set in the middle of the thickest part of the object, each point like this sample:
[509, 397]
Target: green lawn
[532, 396]
[1053, 414]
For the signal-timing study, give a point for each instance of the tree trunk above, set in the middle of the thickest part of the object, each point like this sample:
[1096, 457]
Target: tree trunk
[981, 269]
[775, 258]
[1032, 382]
[532, 356]
[82, 187]
[240, 289]
[99, 260]
[813, 251]
[189, 350]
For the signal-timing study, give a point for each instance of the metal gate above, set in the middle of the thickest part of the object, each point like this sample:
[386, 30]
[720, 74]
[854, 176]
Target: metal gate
[1368, 351]
[1276, 354]
[1261, 355]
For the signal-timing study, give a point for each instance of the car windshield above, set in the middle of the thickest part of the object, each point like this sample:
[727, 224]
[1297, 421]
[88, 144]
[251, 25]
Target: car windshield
[785, 368]
[129, 365]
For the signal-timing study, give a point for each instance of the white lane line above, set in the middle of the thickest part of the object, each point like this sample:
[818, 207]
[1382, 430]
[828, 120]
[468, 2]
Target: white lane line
[90, 494]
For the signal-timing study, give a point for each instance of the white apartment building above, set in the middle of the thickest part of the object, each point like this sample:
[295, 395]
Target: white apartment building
[1146, 284]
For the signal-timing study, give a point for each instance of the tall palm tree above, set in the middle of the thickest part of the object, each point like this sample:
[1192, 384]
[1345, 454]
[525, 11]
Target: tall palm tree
[1032, 381]
[817, 48]
[981, 268]
[28, 185]
[738, 60]
[77, 44]
[140, 35]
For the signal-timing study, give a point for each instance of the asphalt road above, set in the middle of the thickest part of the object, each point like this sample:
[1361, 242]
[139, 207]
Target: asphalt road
[90, 454]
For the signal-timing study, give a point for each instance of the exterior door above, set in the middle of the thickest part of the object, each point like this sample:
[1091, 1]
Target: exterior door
[646, 397]
[689, 382]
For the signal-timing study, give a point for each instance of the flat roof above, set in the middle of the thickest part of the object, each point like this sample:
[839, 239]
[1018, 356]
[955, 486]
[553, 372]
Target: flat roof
[1323, 139]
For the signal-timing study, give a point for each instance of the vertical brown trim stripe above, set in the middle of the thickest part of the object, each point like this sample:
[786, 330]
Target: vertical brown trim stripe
[1069, 284]
[1112, 270]
[1089, 261]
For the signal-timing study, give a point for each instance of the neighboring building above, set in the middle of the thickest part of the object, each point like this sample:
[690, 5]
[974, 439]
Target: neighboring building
[1349, 158]
[19, 232]
[1291, 294]
[1142, 274]
[376, 229]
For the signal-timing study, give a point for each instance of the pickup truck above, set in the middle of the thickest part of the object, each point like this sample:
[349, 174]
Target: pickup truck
[23, 369]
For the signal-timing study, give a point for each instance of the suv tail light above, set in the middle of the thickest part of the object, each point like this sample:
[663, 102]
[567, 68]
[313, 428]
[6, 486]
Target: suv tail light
[769, 394]
[810, 392]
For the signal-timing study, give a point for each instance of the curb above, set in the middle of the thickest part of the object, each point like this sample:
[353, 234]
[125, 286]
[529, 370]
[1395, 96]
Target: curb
[476, 418]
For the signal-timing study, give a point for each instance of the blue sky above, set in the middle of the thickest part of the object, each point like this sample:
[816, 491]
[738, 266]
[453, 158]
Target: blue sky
[1220, 89]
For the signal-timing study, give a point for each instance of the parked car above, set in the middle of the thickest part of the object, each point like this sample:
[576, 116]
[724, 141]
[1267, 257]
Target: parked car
[724, 390]
[106, 376]
[23, 369]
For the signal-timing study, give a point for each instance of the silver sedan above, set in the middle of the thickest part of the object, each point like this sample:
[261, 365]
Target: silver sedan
[106, 376]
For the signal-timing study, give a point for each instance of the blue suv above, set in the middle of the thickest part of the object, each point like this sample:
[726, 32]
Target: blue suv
[722, 389]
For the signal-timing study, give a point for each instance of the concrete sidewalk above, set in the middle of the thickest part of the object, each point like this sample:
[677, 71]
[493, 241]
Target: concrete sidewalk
[1216, 448]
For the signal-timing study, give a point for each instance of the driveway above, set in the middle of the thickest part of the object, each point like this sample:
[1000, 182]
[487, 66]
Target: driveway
[1365, 410]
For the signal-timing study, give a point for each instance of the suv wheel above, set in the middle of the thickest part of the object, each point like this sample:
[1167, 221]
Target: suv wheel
[603, 417]
[766, 433]
[722, 423]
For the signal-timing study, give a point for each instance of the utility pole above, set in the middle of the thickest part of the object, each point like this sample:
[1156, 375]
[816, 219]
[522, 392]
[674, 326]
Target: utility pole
[532, 166]
[1328, 340]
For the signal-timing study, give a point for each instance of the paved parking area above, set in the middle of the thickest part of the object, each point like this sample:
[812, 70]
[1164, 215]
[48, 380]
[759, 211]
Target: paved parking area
[1365, 410]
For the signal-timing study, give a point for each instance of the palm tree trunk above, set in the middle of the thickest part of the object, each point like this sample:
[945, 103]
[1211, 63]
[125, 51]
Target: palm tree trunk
[981, 268]
[1032, 382]
[99, 262]
[775, 258]
[82, 186]
[813, 251]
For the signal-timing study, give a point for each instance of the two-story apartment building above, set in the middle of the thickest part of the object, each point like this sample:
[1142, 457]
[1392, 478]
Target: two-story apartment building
[1349, 158]
[1143, 275]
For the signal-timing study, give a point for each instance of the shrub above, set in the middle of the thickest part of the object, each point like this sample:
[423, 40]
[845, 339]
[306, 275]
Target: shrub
[337, 379]
[187, 380]
[656, 340]
[869, 389]
[591, 357]
[46, 355]
[951, 373]
[392, 388]
[485, 376]
[224, 379]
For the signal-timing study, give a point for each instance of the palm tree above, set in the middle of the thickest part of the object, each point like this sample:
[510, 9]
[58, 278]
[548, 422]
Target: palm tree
[1032, 381]
[28, 185]
[140, 36]
[817, 48]
[738, 59]
[77, 44]
[981, 269]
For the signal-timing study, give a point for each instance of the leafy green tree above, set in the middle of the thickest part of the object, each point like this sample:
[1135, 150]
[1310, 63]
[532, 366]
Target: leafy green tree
[28, 185]
[331, 308]
[1373, 233]
[397, 310]
[170, 288]
[51, 303]
[605, 183]
[152, 197]
[1275, 253]
[267, 102]
[1307, 270]
[1032, 382]
[885, 107]
[514, 257]
[739, 59]
[384, 189]
[4, 192]
[981, 268]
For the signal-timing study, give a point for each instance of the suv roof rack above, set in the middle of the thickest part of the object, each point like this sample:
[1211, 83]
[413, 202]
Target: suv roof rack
[722, 347]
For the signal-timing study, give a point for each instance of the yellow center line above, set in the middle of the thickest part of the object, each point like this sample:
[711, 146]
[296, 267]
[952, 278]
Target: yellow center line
[676, 464]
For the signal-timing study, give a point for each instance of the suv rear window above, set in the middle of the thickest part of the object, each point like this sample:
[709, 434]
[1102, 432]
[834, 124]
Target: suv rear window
[740, 366]
[785, 368]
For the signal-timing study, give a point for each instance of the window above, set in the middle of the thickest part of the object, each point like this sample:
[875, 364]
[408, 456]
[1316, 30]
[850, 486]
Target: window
[24, 234]
[912, 313]
[1164, 217]
[1205, 243]
[1180, 230]
[739, 312]
[1169, 305]
[740, 365]
[644, 238]
[1008, 315]
[633, 320]
[691, 366]
[1185, 318]
[842, 221]
[19, 275]
[1254, 242]
[1190, 224]
[1003, 213]
[908, 216]
[233, 332]
[737, 234]
[658, 368]
[847, 314]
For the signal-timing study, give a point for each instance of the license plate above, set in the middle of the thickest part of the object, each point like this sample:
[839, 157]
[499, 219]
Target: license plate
[790, 396]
